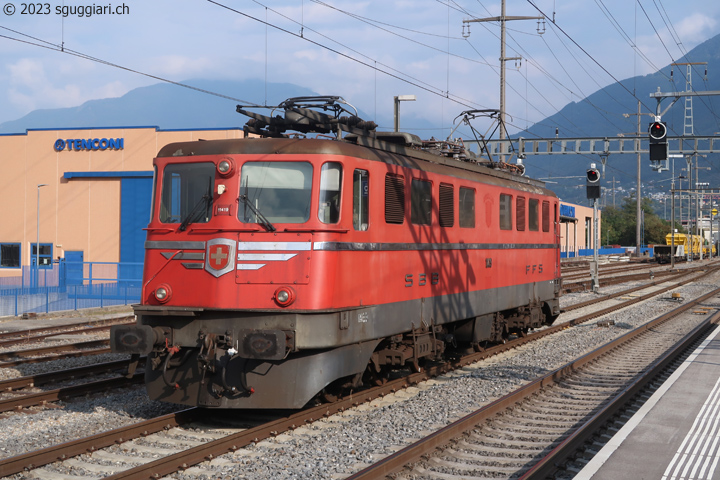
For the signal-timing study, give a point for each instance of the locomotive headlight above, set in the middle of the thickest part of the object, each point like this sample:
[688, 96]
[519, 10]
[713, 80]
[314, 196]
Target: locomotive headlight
[284, 296]
[225, 167]
[163, 293]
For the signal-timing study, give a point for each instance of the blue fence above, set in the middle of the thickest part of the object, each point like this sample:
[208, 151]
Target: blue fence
[588, 252]
[71, 286]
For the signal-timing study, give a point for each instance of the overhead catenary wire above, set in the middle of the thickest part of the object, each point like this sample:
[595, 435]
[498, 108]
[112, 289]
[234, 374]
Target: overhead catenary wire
[62, 49]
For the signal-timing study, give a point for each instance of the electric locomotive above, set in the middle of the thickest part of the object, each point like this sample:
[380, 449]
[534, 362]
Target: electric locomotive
[281, 268]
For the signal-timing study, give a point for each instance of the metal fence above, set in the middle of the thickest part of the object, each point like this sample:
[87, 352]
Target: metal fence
[70, 286]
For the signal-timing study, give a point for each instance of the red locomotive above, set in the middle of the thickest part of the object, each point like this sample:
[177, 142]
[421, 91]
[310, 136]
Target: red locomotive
[283, 267]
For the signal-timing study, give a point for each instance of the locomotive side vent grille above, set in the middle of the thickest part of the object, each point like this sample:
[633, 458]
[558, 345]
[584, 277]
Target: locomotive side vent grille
[394, 198]
[447, 200]
[520, 213]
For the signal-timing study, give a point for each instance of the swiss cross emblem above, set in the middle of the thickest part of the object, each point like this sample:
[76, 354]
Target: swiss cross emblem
[220, 256]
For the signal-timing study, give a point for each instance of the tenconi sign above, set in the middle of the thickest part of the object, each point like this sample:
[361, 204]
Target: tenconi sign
[79, 144]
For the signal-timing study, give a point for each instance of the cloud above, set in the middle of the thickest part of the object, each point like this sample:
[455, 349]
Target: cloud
[30, 88]
[695, 28]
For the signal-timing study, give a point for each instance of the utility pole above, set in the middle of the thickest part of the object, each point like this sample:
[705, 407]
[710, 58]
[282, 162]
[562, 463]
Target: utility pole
[639, 182]
[502, 19]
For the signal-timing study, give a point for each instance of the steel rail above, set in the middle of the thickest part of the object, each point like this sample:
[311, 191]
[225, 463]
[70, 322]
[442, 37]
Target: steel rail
[69, 330]
[63, 451]
[34, 399]
[570, 445]
[609, 296]
[53, 349]
[587, 284]
[414, 452]
[193, 456]
[210, 450]
[62, 328]
[57, 376]
[50, 358]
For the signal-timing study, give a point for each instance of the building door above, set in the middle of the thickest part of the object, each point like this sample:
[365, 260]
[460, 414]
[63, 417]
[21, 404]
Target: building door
[74, 267]
[135, 202]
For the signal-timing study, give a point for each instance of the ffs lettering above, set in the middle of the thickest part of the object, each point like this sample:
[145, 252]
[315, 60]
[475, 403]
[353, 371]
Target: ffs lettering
[530, 269]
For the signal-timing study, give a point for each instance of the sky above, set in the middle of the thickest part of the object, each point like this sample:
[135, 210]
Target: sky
[63, 53]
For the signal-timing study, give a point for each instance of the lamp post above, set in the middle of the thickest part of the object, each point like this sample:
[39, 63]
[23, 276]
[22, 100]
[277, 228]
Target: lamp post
[37, 244]
[398, 99]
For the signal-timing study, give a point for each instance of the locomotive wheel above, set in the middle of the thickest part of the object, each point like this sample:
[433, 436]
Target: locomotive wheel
[374, 378]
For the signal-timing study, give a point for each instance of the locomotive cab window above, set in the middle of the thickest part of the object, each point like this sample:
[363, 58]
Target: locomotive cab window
[466, 205]
[361, 199]
[330, 181]
[187, 193]
[275, 192]
[545, 216]
[421, 202]
[505, 212]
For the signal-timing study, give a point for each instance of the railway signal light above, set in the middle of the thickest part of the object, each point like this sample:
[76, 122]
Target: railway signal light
[658, 141]
[593, 182]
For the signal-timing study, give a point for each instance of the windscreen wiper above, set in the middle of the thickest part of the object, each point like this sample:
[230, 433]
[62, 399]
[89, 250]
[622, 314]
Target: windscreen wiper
[204, 200]
[263, 221]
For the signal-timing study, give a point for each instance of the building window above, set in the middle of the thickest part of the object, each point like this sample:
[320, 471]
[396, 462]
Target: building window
[9, 255]
[421, 202]
[467, 207]
[505, 212]
[447, 205]
[533, 215]
[45, 257]
[520, 214]
[330, 181]
[361, 200]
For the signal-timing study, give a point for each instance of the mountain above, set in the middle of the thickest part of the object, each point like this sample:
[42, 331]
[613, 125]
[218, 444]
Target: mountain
[603, 114]
[164, 105]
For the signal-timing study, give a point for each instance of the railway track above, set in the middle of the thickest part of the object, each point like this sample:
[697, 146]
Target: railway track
[613, 279]
[187, 455]
[54, 352]
[19, 393]
[534, 431]
[14, 337]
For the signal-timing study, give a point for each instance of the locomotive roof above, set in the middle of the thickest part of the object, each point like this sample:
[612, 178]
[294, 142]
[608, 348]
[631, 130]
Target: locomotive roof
[366, 147]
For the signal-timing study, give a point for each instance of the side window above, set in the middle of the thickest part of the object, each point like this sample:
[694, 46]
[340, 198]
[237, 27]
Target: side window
[394, 198]
[533, 215]
[466, 206]
[505, 212]
[330, 181]
[447, 205]
[361, 199]
[10, 255]
[421, 202]
[546, 216]
[520, 214]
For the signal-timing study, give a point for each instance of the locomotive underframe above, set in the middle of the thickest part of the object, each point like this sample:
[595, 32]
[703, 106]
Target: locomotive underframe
[218, 357]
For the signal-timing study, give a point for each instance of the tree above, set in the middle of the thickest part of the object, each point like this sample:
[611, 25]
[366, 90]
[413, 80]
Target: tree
[619, 224]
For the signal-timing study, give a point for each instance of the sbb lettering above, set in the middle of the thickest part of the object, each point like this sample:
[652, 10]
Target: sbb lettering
[422, 279]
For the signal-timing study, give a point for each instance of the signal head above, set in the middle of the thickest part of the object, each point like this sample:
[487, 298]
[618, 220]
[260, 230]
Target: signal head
[593, 175]
[657, 130]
